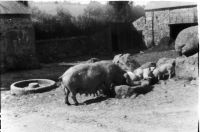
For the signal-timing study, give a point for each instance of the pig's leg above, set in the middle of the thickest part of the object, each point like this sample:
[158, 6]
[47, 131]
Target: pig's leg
[112, 90]
[159, 76]
[128, 79]
[109, 89]
[74, 98]
[66, 96]
[106, 89]
[170, 74]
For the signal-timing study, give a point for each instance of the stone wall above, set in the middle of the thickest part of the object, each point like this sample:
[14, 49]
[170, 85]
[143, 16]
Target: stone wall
[17, 43]
[161, 27]
[139, 24]
[62, 49]
[148, 37]
[187, 67]
[161, 21]
[184, 15]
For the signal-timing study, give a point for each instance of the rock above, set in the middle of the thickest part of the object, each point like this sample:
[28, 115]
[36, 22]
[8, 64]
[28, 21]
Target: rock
[125, 116]
[148, 65]
[145, 83]
[123, 91]
[33, 85]
[126, 62]
[187, 67]
[92, 60]
[164, 61]
[16, 115]
[187, 41]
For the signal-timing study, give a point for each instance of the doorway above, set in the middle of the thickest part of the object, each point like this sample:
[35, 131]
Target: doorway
[176, 28]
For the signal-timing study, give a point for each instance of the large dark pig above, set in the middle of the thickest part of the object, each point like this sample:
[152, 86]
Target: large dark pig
[91, 77]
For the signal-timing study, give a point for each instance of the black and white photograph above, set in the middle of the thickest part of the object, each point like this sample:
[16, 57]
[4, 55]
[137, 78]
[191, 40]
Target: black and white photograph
[99, 66]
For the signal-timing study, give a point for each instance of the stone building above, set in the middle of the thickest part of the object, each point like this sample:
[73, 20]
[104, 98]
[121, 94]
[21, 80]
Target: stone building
[165, 19]
[17, 38]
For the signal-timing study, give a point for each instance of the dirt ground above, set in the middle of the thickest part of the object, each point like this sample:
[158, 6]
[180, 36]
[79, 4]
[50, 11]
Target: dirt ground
[170, 106]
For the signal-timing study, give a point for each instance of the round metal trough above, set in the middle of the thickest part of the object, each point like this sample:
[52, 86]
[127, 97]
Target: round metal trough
[31, 86]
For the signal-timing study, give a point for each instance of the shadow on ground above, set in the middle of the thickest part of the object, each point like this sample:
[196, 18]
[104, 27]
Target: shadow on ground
[142, 90]
[95, 100]
[136, 91]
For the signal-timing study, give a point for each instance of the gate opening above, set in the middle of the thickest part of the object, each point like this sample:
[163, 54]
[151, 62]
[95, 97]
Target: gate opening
[176, 28]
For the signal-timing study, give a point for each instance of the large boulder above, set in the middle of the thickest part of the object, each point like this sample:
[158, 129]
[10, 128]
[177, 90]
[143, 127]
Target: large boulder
[93, 60]
[187, 41]
[148, 65]
[164, 61]
[126, 62]
[123, 91]
[187, 67]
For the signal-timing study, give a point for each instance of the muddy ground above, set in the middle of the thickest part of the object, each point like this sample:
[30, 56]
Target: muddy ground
[170, 106]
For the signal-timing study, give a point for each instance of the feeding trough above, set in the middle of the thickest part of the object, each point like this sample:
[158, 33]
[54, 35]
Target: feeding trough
[31, 86]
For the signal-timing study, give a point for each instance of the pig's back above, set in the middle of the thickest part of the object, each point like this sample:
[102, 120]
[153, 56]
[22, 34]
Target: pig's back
[83, 76]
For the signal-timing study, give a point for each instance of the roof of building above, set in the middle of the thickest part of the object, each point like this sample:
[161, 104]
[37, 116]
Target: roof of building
[158, 5]
[13, 7]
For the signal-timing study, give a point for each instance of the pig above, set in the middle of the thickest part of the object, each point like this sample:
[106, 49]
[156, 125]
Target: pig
[147, 73]
[139, 73]
[89, 78]
[131, 78]
[152, 68]
[163, 69]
